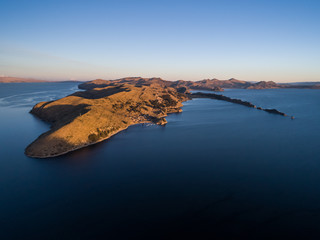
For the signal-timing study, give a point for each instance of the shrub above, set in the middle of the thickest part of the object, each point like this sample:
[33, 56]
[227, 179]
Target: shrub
[168, 100]
[93, 137]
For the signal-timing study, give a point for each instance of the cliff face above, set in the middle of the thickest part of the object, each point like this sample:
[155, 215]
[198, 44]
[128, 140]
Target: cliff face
[85, 118]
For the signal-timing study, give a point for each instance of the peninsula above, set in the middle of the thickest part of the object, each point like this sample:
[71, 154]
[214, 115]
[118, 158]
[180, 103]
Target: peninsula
[88, 117]
[108, 107]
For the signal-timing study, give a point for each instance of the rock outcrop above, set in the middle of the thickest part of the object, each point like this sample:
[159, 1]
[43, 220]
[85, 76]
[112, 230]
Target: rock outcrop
[275, 111]
[221, 97]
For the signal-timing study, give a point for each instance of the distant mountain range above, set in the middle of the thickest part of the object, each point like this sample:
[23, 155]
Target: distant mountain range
[25, 80]
[19, 80]
[206, 84]
[304, 83]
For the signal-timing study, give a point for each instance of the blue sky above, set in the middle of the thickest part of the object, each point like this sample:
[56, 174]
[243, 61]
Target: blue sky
[177, 39]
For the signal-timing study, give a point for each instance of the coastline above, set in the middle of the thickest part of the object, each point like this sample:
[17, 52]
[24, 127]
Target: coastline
[87, 145]
[98, 141]
[89, 117]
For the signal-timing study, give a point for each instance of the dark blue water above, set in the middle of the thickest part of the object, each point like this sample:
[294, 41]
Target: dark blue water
[216, 171]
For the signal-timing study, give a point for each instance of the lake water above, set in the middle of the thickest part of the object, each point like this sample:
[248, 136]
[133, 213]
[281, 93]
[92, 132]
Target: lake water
[216, 171]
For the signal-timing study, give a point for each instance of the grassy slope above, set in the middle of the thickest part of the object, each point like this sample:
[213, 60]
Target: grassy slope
[88, 117]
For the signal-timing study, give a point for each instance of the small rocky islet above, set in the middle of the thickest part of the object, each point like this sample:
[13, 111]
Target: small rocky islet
[108, 107]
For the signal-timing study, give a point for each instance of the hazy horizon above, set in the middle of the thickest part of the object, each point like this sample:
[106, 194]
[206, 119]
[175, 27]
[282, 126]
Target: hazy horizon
[188, 40]
[85, 80]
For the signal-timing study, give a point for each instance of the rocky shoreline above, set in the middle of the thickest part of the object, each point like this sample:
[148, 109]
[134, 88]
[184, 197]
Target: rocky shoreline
[233, 100]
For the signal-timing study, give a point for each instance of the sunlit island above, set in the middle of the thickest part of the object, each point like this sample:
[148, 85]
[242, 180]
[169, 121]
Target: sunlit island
[108, 107]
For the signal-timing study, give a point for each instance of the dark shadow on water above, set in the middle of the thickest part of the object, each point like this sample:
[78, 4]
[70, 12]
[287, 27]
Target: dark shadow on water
[85, 154]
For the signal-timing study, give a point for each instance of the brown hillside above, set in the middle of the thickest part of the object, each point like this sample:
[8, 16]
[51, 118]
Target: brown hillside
[88, 117]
